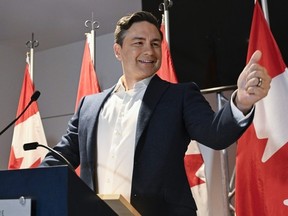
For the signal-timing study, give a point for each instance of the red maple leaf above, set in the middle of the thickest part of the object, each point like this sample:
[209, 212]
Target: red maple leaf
[14, 163]
[36, 163]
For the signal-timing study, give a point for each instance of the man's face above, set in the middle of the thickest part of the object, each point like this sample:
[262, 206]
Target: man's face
[140, 53]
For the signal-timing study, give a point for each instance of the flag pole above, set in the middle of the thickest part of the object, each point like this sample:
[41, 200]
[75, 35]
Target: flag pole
[93, 25]
[31, 44]
[265, 10]
[164, 7]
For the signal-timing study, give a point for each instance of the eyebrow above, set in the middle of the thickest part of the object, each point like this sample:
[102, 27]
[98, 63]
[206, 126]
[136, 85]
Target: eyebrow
[142, 38]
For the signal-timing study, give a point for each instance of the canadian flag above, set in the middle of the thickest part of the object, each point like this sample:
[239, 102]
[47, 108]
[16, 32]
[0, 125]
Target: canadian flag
[193, 160]
[262, 151]
[88, 82]
[28, 128]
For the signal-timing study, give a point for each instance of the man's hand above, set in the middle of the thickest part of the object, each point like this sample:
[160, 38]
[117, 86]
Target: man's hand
[253, 84]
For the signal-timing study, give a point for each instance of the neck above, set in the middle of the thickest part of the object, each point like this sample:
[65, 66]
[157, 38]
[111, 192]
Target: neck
[128, 84]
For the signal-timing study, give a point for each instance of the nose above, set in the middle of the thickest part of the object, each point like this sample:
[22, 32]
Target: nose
[149, 49]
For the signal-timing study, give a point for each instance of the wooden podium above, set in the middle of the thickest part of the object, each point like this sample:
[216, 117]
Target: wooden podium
[119, 204]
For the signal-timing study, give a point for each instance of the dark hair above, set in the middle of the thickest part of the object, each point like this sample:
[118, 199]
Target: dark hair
[126, 22]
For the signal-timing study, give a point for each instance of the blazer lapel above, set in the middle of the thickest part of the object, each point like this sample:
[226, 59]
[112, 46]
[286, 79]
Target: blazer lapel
[95, 106]
[152, 95]
[92, 119]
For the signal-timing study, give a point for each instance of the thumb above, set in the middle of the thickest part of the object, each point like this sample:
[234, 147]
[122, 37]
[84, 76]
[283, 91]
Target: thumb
[256, 56]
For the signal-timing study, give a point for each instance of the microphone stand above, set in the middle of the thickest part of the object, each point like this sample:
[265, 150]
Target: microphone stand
[34, 145]
[34, 97]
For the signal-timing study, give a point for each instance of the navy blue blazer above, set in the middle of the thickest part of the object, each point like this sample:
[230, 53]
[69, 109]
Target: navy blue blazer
[170, 116]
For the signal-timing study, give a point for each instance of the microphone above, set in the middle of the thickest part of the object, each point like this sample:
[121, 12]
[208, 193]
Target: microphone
[34, 97]
[34, 145]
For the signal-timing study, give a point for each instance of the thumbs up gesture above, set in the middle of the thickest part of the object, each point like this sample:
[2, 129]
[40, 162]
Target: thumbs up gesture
[253, 84]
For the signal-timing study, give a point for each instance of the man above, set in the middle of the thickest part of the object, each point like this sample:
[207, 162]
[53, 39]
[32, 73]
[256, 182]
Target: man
[131, 139]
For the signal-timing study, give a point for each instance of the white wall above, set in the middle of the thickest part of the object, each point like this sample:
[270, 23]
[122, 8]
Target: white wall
[56, 76]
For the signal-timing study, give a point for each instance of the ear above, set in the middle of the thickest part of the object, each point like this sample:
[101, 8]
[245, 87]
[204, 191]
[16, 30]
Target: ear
[117, 52]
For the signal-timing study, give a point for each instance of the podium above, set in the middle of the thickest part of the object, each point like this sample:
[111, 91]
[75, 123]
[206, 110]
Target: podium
[56, 191]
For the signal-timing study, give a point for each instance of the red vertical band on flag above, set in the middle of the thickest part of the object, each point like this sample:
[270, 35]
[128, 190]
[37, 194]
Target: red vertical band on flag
[262, 151]
[88, 82]
[26, 93]
[166, 70]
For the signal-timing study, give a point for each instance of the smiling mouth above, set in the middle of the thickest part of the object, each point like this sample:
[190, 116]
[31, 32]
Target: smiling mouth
[147, 61]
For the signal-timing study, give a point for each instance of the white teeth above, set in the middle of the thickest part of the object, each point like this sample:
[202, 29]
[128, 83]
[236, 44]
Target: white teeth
[146, 61]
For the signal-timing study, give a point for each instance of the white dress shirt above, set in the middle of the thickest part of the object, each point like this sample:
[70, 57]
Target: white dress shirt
[116, 139]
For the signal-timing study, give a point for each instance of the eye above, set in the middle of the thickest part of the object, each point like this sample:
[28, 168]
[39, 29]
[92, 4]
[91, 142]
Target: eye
[137, 43]
[156, 44]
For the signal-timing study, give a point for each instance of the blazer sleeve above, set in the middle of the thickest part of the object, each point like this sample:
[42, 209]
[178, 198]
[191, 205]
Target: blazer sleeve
[216, 130]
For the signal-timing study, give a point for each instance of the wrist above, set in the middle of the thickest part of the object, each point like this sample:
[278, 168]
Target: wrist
[245, 109]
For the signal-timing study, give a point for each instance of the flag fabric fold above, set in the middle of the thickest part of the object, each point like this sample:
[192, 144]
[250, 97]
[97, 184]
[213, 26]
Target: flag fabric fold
[88, 82]
[193, 160]
[166, 71]
[28, 128]
[262, 151]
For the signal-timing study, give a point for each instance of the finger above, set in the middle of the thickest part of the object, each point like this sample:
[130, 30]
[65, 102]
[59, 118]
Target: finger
[257, 71]
[258, 82]
[256, 56]
[254, 82]
[251, 90]
[258, 92]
